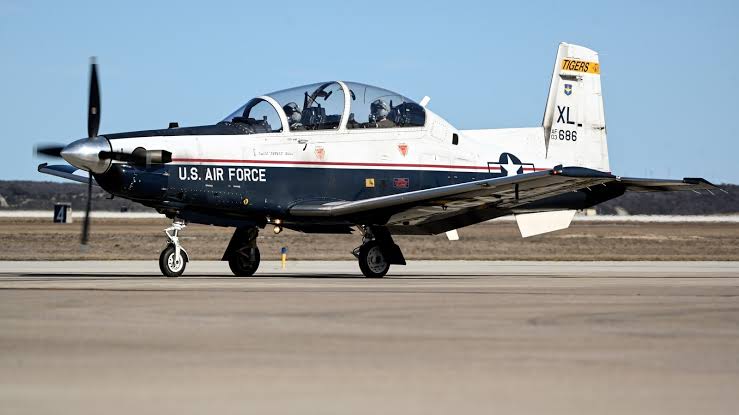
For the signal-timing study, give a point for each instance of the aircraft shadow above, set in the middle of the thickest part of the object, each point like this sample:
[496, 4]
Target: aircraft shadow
[87, 277]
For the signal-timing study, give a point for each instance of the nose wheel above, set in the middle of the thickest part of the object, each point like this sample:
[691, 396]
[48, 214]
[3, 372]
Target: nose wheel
[169, 264]
[173, 259]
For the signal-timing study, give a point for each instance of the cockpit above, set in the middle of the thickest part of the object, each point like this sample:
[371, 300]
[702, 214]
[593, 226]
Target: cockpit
[327, 106]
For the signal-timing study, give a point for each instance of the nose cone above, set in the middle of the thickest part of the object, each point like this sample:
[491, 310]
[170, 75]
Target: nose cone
[84, 154]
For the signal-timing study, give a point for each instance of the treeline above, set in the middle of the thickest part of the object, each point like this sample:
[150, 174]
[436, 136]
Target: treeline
[30, 195]
[675, 203]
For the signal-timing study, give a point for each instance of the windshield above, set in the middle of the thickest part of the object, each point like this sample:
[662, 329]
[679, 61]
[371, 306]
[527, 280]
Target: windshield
[256, 116]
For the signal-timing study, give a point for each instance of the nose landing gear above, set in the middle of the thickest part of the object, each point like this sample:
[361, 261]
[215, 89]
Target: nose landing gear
[173, 259]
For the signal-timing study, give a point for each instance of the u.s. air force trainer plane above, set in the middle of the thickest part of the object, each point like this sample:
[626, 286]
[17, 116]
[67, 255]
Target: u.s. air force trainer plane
[337, 156]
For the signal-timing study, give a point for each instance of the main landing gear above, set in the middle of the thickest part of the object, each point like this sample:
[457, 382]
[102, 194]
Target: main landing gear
[173, 259]
[377, 252]
[242, 253]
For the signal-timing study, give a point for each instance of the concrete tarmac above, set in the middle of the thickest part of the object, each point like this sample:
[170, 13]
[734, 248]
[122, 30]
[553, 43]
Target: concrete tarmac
[435, 337]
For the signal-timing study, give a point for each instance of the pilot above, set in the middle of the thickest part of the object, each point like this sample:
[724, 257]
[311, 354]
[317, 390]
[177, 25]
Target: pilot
[378, 115]
[292, 112]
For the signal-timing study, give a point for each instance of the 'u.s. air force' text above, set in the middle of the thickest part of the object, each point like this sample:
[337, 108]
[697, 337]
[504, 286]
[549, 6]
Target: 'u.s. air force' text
[239, 174]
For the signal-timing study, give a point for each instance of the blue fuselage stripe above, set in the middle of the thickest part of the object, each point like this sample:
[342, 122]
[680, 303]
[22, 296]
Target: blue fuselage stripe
[275, 188]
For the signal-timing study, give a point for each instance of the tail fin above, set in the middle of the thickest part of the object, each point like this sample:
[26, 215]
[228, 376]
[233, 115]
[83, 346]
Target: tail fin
[574, 120]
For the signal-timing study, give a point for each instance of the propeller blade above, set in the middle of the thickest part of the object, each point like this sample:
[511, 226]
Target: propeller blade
[51, 151]
[93, 107]
[86, 224]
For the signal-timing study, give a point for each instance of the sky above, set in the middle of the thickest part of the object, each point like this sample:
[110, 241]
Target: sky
[669, 69]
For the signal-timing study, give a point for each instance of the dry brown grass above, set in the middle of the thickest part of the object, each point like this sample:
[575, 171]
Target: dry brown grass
[38, 239]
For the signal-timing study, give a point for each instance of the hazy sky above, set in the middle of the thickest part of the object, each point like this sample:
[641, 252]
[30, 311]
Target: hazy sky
[669, 69]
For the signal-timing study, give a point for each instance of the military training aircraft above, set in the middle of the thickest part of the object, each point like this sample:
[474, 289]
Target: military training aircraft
[334, 157]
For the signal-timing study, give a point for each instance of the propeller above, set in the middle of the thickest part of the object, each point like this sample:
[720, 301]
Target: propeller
[86, 224]
[94, 152]
[50, 150]
[93, 124]
[93, 105]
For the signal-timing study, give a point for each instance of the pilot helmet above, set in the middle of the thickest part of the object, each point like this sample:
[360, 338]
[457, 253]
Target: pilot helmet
[378, 110]
[292, 111]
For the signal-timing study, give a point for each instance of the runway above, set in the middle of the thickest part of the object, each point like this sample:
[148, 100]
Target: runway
[434, 337]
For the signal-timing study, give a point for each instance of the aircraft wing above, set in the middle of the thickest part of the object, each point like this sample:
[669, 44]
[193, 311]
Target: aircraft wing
[66, 171]
[450, 207]
[440, 209]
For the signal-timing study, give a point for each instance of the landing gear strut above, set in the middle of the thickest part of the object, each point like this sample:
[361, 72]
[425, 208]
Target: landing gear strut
[377, 252]
[242, 253]
[173, 259]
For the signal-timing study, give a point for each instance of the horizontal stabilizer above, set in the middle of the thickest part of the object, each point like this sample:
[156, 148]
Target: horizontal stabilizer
[531, 224]
[665, 185]
[66, 171]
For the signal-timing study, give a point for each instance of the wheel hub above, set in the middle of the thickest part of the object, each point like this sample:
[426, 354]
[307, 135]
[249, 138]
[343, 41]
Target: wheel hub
[173, 264]
[375, 260]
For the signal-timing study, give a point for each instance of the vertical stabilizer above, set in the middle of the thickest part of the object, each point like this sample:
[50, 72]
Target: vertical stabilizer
[574, 120]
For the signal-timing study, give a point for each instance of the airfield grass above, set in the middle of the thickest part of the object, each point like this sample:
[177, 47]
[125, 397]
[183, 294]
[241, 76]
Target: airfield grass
[38, 239]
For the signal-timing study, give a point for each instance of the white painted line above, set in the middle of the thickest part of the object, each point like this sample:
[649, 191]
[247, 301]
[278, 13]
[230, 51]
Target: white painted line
[79, 214]
[578, 218]
[647, 218]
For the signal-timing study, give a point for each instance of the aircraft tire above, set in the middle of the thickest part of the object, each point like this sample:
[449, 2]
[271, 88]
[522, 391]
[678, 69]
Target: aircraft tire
[242, 265]
[372, 261]
[167, 264]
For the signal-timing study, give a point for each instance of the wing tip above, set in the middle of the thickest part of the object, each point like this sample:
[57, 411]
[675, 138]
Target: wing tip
[697, 181]
[702, 183]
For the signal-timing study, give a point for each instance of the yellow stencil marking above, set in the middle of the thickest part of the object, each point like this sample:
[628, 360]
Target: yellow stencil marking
[580, 66]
